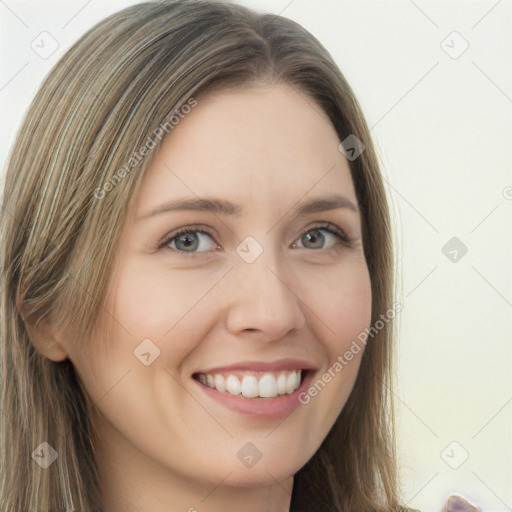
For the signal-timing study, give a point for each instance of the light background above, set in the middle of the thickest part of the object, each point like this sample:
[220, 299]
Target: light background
[443, 130]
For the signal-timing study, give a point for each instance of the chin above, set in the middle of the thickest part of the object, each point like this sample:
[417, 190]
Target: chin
[266, 471]
[262, 477]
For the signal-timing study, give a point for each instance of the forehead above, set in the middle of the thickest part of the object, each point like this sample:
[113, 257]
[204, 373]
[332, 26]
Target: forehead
[265, 143]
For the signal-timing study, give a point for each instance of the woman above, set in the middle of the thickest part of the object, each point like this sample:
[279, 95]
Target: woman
[197, 262]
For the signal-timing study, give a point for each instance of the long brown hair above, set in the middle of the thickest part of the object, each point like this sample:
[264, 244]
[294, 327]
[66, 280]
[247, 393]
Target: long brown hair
[60, 224]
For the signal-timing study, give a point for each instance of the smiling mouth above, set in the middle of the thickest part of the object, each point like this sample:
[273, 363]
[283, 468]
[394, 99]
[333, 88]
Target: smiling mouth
[253, 384]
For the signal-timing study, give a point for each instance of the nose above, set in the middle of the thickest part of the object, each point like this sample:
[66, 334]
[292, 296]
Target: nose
[262, 303]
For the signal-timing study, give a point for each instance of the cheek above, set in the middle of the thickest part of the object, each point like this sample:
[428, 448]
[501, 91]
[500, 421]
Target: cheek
[343, 303]
[344, 307]
[161, 304]
[150, 303]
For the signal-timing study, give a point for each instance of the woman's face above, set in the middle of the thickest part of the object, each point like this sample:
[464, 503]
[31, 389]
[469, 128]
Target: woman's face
[260, 287]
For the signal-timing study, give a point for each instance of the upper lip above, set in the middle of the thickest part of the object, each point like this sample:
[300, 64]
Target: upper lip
[262, 366]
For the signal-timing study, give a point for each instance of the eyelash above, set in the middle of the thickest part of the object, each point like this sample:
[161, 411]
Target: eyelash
[326, 226]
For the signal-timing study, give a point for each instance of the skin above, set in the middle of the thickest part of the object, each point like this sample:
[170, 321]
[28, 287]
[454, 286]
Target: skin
[164, 444]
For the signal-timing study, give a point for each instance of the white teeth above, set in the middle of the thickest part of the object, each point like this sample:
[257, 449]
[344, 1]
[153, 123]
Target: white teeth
[233, 385]
[250, 386]
[292, 382]
[281, 384]
[219, 382]
[270, 385]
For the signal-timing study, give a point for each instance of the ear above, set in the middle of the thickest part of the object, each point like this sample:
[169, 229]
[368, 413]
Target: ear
[45, 340]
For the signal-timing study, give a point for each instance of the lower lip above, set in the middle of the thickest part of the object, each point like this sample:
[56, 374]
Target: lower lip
[261, 408]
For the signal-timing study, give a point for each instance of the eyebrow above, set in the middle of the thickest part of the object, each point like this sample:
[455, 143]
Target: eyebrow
[221, 206]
